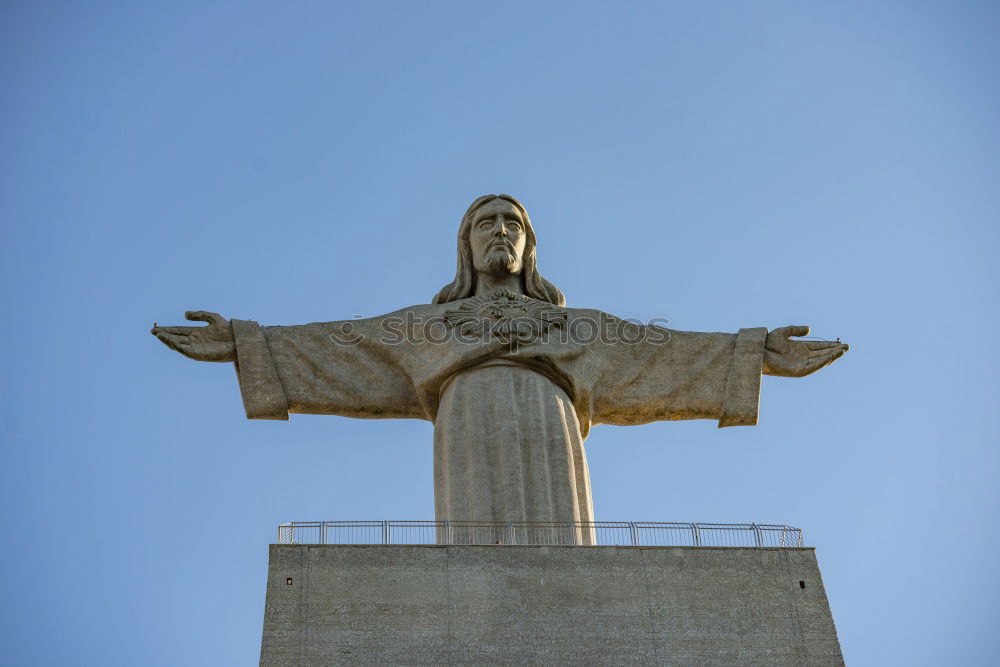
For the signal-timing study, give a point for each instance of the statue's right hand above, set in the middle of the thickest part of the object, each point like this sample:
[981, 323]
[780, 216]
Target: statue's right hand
[212, 343]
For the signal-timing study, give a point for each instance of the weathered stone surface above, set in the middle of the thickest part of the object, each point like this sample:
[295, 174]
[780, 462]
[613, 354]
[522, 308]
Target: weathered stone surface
[546, 605]
[511, 378]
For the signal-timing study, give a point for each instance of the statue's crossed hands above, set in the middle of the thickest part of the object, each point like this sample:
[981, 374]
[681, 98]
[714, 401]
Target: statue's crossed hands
[212, 343]
[798, 358]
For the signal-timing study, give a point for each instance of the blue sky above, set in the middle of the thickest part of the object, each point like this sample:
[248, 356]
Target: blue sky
[725, 166]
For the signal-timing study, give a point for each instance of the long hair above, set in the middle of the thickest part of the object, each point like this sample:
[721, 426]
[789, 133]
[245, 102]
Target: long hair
[532, 282]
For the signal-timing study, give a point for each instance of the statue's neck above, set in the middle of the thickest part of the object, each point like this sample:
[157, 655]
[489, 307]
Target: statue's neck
[487, 283]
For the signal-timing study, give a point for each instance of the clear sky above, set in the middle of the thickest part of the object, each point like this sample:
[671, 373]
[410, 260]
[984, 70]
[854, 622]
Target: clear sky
[734, 165]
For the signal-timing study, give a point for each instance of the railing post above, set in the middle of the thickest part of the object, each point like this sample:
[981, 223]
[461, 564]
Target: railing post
[385, 531]
[322, 532]
[447, 532]
[572, 532]
[509, 533]
[695, 534]
[635, 533]
[757, 535]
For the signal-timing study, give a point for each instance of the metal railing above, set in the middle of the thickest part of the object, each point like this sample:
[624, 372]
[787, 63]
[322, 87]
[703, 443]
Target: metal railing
[595, 533]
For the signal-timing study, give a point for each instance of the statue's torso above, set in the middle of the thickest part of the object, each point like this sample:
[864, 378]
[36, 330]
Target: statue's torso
[508, 447]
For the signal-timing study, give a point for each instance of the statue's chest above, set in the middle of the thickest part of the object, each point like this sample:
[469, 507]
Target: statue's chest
[508, 318]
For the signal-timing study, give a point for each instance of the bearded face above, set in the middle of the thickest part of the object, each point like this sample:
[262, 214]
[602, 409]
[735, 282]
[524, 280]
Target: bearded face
[497, 237]
[494, 240]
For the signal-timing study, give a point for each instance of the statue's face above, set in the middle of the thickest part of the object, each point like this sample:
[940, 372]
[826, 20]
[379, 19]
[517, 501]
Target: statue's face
[497, 238]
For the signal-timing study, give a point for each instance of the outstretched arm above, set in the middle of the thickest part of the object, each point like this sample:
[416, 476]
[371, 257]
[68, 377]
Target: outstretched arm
[689, 375]
[701, 375]
[307, 368]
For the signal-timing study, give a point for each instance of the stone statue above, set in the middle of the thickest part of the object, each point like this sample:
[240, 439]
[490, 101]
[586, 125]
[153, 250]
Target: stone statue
[510, 377]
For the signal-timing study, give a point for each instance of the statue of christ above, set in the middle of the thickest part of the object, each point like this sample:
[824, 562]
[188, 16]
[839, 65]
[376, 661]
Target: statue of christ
[510, 377]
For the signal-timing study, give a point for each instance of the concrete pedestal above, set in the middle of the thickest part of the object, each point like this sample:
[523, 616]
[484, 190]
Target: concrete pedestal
[550, 605]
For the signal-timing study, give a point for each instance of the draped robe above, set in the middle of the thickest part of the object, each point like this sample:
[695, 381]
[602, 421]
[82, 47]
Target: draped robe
[509, 420]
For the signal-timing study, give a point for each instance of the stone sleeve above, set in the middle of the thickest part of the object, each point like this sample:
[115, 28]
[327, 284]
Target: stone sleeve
[260, 386]
[741, 401]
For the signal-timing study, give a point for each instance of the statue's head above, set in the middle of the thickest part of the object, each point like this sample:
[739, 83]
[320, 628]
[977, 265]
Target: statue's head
[496, 237]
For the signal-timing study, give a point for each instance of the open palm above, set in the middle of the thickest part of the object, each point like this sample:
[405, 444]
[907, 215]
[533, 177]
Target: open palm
[798, 358]
[212, 343]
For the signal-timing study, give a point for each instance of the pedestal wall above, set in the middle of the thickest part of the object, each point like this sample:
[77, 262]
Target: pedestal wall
[347, 604]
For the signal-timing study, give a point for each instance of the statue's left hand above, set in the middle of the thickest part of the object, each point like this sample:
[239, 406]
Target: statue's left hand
[798, 358]
[212, 343]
